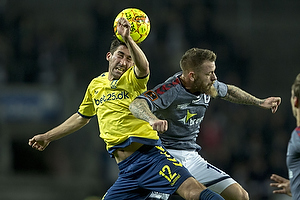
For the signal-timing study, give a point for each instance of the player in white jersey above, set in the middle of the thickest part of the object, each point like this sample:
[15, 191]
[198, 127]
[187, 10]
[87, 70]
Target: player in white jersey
[291, 187]
[177, 107]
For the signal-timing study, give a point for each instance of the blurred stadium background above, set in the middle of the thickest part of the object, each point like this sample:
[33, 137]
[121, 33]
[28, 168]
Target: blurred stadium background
[50, 50]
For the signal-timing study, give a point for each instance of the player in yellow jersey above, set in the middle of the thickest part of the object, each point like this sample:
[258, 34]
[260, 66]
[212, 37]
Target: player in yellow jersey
[147, 170]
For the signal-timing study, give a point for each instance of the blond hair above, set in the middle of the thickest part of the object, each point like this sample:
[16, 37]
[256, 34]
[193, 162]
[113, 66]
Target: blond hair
[193, 58]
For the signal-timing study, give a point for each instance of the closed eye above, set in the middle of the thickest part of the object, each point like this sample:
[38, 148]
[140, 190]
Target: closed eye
[121, 55]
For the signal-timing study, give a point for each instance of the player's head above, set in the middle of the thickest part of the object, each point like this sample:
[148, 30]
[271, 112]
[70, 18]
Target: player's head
[295, 96]
[198, 65]
[119, 59]
[194, 58]
[115, 43]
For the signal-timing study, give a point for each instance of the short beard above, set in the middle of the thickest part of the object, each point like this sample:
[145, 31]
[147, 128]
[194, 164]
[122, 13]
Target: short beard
[212, 92]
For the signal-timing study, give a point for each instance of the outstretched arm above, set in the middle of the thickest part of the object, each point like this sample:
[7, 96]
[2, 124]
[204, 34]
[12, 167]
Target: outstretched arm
[237, 95]
[72, 124]
[138, 56]
[141, 110]
[281, 183]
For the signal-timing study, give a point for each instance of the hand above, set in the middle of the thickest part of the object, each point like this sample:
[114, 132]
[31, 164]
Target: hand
[123, 28]
[281, 183]
[271, 103]
[39, 142]
[160, 126]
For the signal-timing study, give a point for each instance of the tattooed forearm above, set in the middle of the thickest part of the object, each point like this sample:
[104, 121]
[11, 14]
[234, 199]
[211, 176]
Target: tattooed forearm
[237, 95]
[140, 109]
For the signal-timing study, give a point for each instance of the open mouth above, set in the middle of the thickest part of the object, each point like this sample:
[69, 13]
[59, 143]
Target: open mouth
[120, 69]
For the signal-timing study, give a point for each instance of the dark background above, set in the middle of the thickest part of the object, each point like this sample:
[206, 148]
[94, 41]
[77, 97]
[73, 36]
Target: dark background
[50, 50]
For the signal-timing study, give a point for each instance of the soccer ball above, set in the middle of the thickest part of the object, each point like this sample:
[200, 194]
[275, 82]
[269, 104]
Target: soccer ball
[140, 24]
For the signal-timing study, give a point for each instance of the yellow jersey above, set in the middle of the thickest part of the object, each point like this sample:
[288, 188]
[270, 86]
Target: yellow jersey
[110, 101]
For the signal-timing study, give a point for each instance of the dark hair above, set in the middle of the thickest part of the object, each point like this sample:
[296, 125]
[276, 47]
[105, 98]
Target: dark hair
[193, 58]
[115, 43]
[296, 86]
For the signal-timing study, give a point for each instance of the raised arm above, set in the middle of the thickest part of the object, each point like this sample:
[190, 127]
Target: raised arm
[72, 124]
[237, 95]
[140, 109]
[138, 56]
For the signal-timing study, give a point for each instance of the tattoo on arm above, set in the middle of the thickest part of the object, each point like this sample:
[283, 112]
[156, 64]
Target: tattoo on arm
[140, 109]
[237, 95]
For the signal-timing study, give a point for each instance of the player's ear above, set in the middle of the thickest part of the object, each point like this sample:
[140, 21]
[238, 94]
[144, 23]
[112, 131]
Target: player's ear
[296, 102]
[192, 76]
[108, 55]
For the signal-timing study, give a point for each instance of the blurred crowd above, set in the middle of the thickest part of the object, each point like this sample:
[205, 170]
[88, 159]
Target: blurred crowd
[35, 48]
[40, 47]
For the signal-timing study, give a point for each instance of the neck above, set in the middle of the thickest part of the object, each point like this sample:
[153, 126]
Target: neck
[185, 83]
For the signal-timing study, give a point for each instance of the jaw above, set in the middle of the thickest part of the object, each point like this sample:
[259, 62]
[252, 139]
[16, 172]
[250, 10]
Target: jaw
[116, 73]
[212, 92]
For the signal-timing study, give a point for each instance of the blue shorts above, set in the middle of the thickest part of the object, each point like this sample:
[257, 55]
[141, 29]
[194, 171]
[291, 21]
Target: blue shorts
[150, 168]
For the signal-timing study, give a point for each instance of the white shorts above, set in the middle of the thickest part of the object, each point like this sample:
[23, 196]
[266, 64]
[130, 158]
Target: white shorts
[207, 174]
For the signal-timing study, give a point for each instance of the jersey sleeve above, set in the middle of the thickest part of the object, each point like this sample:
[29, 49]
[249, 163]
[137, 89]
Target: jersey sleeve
[161, 97]
[86, 108]
[221, 88]
[140, 83]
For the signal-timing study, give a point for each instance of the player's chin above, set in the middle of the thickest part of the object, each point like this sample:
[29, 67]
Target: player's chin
[117, 75]
[207, 90]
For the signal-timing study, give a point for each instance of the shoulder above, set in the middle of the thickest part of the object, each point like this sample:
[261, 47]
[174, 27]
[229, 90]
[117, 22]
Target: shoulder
[100, 78]
[172, 84]
[295, 136]
[98, 81]
[296, 132]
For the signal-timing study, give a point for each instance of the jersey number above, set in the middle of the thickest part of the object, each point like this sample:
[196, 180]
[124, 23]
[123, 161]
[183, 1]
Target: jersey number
[167, 168]
[171, 177]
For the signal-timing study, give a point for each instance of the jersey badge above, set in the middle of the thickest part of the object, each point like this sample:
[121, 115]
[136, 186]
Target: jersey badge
[113, 84]
[151, 95]
[187, 117]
